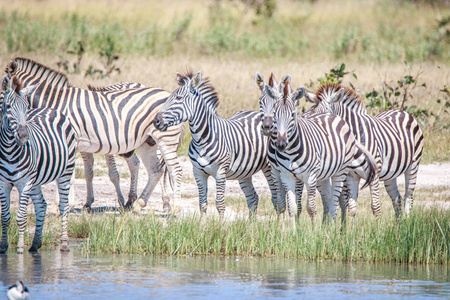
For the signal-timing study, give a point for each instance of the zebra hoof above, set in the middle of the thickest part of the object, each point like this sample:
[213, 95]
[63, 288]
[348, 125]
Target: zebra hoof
[138, 205]
[64, 248]
[34, 248]
[167, 208]
[19, 250]
[87, 208]
[3, 249]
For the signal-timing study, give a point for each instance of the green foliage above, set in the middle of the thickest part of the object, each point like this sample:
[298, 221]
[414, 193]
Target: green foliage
[267, 35]
[109, 50]
[423, 237]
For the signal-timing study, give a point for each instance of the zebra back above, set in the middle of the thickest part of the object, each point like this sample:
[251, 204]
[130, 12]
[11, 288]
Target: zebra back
[116, 86]
[390, 136]
[30, 72]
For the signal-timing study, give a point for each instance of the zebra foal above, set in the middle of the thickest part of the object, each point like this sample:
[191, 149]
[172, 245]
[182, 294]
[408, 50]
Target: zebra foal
[226, 149]
[393, 137]
[317, 150]
[36, 147]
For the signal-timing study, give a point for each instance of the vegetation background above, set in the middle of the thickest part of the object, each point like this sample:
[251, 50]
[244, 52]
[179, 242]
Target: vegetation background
[395, 53]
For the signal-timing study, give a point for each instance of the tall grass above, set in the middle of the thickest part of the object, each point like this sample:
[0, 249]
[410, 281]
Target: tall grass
[423, 237]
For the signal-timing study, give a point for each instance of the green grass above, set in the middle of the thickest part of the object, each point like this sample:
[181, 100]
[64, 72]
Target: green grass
[381, 32]
[422, 238]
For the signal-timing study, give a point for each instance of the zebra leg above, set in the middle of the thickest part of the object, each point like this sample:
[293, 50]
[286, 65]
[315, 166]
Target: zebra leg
[169, 153]
[375, 197]
[220, 192]
[250, 194]
[289, 182]
[337, 182]
[40, 208]
[324, 188]
[349, 195]
[24, 196]
[115, 178]
[64, 187]
[202, 183]
[133, 163]
[392, 189]
[5, 197]
[88, 161]
[280, 205]
[152, 164]
[267, 171]
[298, 196]
[410, 186]
[311, 207]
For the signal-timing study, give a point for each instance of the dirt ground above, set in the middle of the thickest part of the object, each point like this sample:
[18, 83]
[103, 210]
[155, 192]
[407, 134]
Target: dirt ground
[433, 176]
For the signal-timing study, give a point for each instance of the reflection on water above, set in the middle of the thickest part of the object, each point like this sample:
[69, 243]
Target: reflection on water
[55, 275]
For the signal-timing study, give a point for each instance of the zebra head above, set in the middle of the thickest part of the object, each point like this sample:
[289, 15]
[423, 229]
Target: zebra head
[266, 103]
[326, 98]
[285, 113]
[14, 108]
[179, 105]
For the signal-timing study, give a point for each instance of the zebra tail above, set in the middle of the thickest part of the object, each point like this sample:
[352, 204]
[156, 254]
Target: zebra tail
[371, 164]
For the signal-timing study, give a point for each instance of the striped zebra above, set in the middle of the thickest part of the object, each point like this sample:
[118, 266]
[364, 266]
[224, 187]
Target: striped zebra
[226, 149]
[31, 73]
[317, 150]
[117, 122]
[394, 137]
[266, 105]
[36, 147]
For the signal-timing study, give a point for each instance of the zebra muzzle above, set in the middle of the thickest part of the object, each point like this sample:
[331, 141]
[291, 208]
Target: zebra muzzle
[22, 135]
[267, 125]
[281, 142]
[159, 122]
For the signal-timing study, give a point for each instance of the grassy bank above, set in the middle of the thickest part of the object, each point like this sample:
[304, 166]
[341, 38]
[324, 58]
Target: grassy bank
[420, 239]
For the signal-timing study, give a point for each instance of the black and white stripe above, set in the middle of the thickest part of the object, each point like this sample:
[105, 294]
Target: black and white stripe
[118, 122]
[317, 150]
[392, 137]
[226, 149]
[36, 147]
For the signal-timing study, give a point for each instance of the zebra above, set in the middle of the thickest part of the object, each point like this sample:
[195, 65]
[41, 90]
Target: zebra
[225, 149]
[36, 147]
[317, 150]
[117, 122]
[394, 137]
[266, 105]
[31, 73]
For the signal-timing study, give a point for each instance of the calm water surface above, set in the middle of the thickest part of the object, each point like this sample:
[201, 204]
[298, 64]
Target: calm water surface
[54, 275]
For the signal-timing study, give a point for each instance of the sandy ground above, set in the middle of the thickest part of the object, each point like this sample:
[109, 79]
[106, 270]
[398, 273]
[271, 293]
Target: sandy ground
[430, 176]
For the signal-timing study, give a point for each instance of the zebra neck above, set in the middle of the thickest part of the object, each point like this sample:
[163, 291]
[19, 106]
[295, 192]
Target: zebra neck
[356, 117]
[203, 125]
[9, 150]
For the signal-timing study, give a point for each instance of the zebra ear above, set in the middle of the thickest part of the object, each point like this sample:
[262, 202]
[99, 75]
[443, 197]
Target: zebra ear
[27, 91]
[297, 95]
[310, 97]
[285, 79]
[272, 81]
[338, 96]
[271, 92]
[180, 79]
[5, 83]
[196, 80]
[259, 81]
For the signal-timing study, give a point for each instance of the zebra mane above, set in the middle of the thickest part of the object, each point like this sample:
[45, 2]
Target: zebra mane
[17, 84]
[351, 98]
[19, 64]
[206, 89]
[116, 86]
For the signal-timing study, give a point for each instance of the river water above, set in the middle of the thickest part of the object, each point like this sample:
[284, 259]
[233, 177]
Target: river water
[54, 275]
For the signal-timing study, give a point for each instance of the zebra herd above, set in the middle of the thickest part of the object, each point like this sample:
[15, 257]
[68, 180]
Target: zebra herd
[331, 147]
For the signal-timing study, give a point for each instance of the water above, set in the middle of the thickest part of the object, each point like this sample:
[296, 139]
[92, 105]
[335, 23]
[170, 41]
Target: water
[55, 275]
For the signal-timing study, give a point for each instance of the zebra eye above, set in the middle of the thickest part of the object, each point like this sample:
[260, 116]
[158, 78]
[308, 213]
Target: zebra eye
[179, 97]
